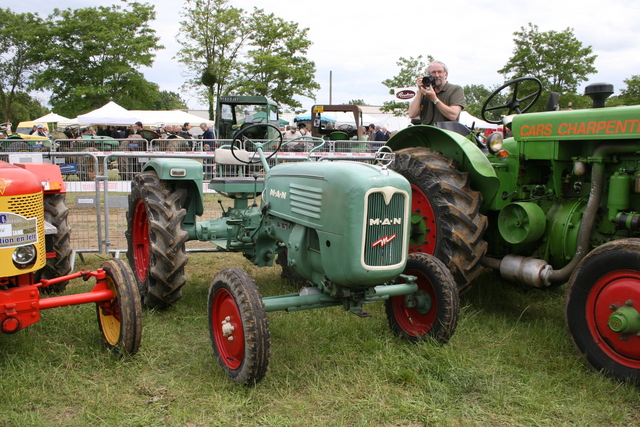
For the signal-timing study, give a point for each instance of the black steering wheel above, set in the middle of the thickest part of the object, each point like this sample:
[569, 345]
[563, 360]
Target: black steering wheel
[513, 104]
[240, 135]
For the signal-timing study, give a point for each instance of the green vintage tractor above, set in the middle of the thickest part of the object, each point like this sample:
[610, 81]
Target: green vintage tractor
[344, 226]
[557, 202]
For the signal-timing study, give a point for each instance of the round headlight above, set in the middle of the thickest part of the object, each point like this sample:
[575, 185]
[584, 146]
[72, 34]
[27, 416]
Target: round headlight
[494, 142]
[24, 255]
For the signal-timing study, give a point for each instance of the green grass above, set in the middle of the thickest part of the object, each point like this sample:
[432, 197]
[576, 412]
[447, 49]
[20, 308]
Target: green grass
[510, 363]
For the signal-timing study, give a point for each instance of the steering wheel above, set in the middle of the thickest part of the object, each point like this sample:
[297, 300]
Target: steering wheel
[239, 137]
[513, 104]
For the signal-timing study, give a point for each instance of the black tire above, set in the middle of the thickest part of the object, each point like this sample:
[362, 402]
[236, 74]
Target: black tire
[238, 326]
[446, 218]
[603, 289]
[156, 239]
[438, 294]
[56, 213]
[120, 320]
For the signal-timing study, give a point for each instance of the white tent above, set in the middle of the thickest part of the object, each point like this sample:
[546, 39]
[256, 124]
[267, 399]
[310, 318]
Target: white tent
[155, 118]
[52, 118]
[109, 114]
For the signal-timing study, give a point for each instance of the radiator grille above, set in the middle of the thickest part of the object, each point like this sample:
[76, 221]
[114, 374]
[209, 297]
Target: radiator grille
[384, 230]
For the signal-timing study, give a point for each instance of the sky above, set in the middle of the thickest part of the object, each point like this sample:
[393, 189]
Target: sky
[356, 45]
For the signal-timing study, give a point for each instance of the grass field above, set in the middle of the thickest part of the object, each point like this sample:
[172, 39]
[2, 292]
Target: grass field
[510, 363]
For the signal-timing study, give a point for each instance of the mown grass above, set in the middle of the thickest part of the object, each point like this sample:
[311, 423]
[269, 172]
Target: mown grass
[510, 363]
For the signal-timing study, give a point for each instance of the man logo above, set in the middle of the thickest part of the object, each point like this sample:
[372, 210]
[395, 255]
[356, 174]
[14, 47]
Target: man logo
[384, 241]
[385, 221]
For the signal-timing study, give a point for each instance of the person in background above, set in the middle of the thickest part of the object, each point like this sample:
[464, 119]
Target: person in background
[437, 102]
[206, 132]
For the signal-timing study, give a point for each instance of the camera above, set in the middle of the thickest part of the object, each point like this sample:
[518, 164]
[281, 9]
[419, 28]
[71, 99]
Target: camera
[428, 81]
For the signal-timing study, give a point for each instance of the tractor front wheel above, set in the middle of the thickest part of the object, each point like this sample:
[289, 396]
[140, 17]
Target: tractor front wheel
[120, 319]
[446, 219]
[602, 308]
[433, 310]
[238, 326]
[156, 239]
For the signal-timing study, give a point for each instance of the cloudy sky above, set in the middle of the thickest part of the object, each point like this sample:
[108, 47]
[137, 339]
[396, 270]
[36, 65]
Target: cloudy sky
[358, 43]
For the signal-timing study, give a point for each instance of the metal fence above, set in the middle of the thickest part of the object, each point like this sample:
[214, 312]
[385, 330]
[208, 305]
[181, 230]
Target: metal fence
[98, 183]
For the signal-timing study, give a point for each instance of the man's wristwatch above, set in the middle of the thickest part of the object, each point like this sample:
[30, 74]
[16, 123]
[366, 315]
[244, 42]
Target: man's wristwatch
[436, 101]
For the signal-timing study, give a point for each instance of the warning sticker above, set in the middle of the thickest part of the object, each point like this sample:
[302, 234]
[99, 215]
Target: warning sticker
[16, 230]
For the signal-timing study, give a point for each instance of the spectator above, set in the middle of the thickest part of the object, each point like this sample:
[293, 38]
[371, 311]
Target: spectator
[138, 128]
[102, 131]
[206, 132]
[372, 132]
[302, 128]
[185, 132]
[40, 131]
[382, 134]
[34, 129]
[437, 102]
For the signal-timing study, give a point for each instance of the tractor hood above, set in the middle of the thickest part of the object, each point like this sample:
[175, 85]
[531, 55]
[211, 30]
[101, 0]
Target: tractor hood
[591, 124]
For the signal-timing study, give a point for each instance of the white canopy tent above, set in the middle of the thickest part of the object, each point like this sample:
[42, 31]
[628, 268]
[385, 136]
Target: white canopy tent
[109, 114]
[155, 118]
[51, 118]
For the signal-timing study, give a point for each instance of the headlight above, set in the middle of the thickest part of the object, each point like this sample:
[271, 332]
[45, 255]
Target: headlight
[24, 255]
[494, 142]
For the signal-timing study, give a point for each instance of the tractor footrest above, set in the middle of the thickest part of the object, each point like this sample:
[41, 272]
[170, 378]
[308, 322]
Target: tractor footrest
[359, 312]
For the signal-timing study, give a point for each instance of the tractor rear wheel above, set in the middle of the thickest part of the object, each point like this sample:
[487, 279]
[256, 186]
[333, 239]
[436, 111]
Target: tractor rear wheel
[56, 213]
[120, 319]
[238, 326]
[602, 309]
[446, 219]
[156, 239]
[433, 310]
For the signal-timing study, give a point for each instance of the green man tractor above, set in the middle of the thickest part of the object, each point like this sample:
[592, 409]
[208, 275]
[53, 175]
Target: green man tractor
[553, 199]
[344, 227]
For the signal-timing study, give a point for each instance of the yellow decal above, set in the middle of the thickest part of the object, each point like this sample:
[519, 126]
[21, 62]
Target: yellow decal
[3, 185]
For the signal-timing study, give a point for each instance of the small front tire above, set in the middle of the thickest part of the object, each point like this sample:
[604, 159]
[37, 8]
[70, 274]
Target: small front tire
[433, 310]
[120, 319]
[238, 326]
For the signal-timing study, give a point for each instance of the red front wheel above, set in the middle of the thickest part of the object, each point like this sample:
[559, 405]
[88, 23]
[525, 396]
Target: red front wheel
[238, 326]
[433, 310]
[602, 309]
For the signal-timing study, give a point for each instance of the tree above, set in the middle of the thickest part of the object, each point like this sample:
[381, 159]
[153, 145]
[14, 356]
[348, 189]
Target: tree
[212, 35]
[277, 64]
[475, 96]
[18, 33]
[169, 101]
[410, 70]
[25, 108]
[558, 59]
[92, 55]
[628, 96]
[357, 102]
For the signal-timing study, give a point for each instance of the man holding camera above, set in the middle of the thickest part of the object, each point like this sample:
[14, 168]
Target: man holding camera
[438, 100]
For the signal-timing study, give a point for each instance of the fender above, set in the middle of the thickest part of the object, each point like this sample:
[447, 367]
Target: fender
[187, 173]
[469, 157]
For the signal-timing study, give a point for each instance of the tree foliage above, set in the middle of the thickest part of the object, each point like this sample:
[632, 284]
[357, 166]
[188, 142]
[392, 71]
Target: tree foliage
[92, 55]
[475, 96]
[277, 64]
[212, 35]
[628, 96]
[226, 51]
[410, 69]
[18, 60]
[558, 59]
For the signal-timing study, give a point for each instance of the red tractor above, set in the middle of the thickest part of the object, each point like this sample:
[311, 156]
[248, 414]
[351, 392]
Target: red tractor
[35, 259]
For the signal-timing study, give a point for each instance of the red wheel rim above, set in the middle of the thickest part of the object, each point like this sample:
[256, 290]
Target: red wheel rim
[609, 292]
[409, 319]
[225, 309]
[140, 240]
[427, 232]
